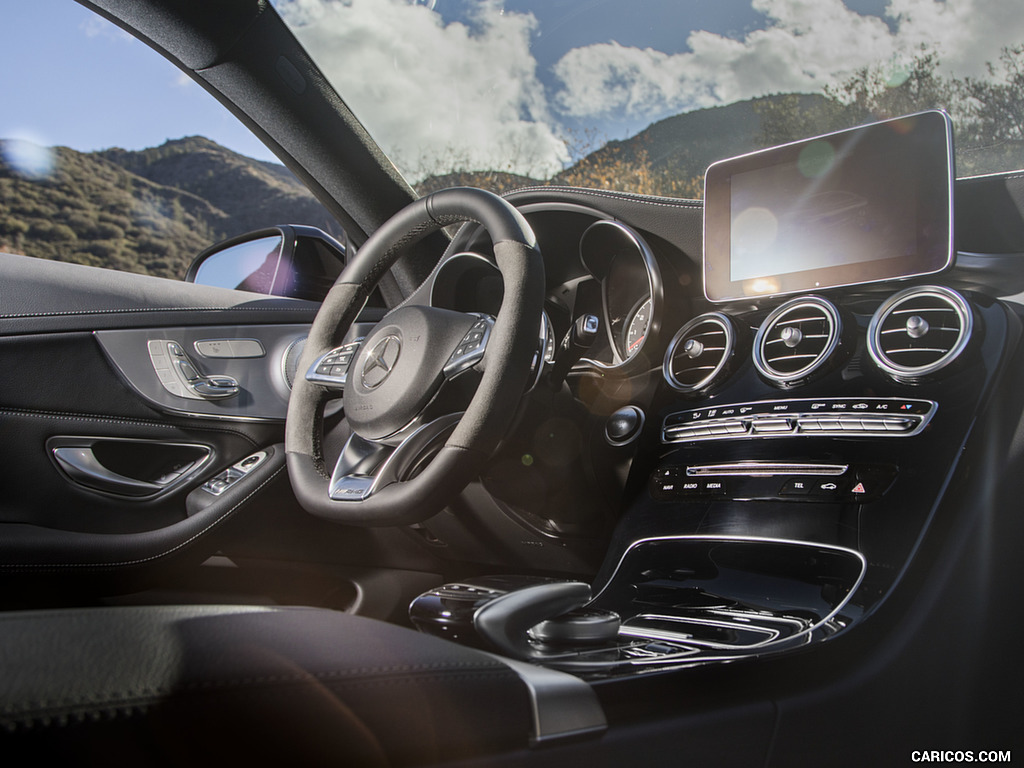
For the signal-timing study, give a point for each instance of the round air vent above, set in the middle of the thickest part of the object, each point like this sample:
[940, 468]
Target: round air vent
[699, 352]
[796, 339]
[919, 331]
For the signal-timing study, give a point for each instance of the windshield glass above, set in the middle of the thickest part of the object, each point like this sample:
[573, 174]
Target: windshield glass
[643, 96]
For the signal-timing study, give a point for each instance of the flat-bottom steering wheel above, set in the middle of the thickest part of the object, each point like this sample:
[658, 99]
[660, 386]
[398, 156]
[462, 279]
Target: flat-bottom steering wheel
[393, 380]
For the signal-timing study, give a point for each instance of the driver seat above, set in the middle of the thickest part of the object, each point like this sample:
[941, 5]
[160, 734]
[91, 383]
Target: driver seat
[195, 685]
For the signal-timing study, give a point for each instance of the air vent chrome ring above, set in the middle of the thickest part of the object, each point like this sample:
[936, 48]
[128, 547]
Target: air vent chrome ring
[699, 352]
[929, 325]
[796, 339]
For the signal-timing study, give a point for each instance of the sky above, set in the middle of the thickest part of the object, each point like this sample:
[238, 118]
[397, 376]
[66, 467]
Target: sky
[70, 78]
[498, 84]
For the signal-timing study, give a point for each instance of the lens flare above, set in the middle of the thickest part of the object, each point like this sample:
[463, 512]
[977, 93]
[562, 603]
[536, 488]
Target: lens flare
[754, 231]
[28, 158]
[816, 159]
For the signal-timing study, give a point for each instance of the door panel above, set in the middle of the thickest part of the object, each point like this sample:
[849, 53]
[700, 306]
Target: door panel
[101, 466]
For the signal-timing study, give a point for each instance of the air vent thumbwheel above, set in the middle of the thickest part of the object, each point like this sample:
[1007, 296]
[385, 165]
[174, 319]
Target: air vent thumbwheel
[699, 352]
[796, 340]
[919, 331]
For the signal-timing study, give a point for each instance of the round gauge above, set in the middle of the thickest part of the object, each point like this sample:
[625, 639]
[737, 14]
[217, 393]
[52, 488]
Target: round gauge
[636, 329]
[631, 294]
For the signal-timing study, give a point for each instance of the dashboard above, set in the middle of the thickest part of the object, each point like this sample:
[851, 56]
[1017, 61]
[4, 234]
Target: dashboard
[756, 473]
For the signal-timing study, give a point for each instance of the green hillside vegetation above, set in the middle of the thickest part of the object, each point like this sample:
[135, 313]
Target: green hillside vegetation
[252, 193]
[150, 211]
[90, 211]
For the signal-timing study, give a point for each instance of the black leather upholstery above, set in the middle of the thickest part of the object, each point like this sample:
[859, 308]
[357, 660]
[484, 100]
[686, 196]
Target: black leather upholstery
[198, 685]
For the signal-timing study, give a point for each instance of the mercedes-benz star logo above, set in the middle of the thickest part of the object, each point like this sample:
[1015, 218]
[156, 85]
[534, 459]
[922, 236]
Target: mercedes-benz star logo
[381, 361]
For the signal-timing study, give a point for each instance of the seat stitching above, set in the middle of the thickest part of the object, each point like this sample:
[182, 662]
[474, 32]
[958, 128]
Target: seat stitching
[132, 310]
[42, 713]
[70, 416]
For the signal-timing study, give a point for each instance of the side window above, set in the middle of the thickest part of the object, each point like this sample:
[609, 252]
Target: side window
[109, 156]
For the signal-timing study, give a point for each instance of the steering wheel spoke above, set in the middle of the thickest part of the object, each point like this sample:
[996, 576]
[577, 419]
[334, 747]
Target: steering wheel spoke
[366, 466]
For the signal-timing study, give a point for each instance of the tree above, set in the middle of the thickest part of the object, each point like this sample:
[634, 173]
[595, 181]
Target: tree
[992, 138]
[883, 91]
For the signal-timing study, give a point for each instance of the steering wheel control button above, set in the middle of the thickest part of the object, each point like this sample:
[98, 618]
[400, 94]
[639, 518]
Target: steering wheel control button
[331, 370]
[470, 350]
[848, 417]
[624, 425]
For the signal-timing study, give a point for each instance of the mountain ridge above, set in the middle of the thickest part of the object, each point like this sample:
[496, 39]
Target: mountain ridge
[150, 211]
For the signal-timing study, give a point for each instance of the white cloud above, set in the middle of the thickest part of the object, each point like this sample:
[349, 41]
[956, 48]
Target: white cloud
[805, 45]
[967, 33]
[97, 26]
[436, 96]
[443, 95]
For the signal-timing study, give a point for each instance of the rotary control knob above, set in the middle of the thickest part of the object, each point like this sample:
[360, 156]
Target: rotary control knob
[584, 626]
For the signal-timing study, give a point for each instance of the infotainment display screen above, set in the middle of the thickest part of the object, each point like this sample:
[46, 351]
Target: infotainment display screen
[858, 206]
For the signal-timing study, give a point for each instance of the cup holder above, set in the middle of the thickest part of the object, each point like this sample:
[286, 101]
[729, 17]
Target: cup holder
[701, 598]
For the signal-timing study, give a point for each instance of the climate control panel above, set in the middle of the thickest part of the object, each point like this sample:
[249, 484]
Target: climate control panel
[823, 417]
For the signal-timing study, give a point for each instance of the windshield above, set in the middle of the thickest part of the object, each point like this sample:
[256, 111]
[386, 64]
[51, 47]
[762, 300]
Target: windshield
[643, 96]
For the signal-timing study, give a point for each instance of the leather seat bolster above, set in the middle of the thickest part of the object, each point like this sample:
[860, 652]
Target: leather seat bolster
[180, 684]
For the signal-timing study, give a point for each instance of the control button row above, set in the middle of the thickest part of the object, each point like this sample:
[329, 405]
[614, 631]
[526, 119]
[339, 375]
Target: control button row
[887, 405]
[876, 417]
[854, 424]
[863, 484]
[179, 375]
[331, 369]
[228, 477]
[471, 349]
[685, 488]
[166, 356]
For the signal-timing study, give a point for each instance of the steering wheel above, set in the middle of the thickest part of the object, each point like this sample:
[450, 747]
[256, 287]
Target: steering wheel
[403, 372]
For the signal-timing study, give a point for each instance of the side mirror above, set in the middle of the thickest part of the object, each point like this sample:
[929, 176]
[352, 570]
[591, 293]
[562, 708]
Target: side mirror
[290, 260]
